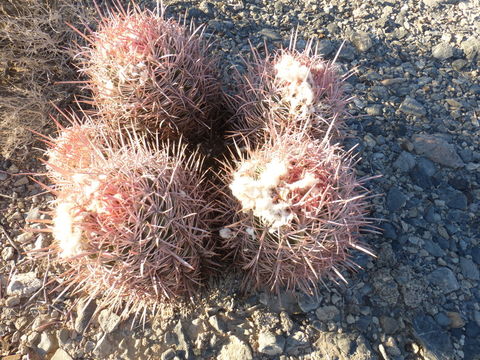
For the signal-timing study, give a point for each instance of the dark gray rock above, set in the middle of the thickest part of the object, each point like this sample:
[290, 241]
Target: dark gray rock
[270, 34]
[469, 269]
[395, 199]
[437, 149]
[426, 166]
[405, 162]
[433, 248]
[445, 279]
[85, 310]
[308, 303]
[435, 341]
[105, 346]
[453, 198]
[270, 344]
[325, 47]
[411, 106]
[476, 254]
[361, 40]
[327, 313]
[443, 320]
[389, 324]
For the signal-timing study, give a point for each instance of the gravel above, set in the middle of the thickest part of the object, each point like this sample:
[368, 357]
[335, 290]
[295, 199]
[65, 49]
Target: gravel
[415, 122]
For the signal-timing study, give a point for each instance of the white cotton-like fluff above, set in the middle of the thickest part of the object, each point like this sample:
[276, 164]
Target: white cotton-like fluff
[255, 192]
[299, 91]
[68, 235]
[308, 181]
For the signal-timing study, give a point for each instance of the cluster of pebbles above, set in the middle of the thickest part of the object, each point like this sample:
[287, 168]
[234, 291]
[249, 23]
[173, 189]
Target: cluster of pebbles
[415, 120]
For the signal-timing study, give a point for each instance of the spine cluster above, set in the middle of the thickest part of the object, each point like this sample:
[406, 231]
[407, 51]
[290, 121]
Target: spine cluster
[135, 218]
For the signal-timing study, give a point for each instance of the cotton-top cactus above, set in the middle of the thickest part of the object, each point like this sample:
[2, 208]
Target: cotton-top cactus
[133, 223]
[299, 211]
[148, 72]
[289, 90]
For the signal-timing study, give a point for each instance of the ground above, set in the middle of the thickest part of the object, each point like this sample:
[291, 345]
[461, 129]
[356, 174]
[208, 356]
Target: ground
[415, 121]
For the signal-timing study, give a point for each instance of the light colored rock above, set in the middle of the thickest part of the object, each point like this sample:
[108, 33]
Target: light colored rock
[437, 149]
[61, 354]
[108, 321]
[412, 107]
[269, 344]
[235, 349]
[47, 343]
[23, 285]
[362, 41]
[442, 51]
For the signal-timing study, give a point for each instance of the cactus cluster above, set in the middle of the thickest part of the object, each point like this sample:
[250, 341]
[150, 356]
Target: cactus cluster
[135, 217]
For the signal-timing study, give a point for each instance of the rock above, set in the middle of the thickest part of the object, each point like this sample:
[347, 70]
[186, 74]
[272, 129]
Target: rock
[47, 343]
[85, 310]
[395, 199]
[411, 106]
[454, 199]
[445, 279]
[325, 47]
[63, 336]
[235, 349]
[61, 354]
[327, 313]
[269, 344]
[442, 51]
[458, 64]
[405, 162]
[434, 3]
[168, 354]
[361, 40]
[181, 340]
[217, 323]
[8, 253]
[443, 320]
[389, 325]
[104, 347]
[471, 47]
[456, 320]
[308, 303]
[296, 342]
[435, 341]
[286, 301]
[270, 34]
[437, 149]
[23, 285]
[108, 321]
[469, 269]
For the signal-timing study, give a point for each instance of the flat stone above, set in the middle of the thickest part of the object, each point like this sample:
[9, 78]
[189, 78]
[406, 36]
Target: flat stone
[61, 354]
[235, 349]
[325, 47]
[445, 279]
[442, 51]
[270, 344]
[182, 343]
[435, 341]
[361, 40]
[395, 199]
[23, 285]
[327, 313]
[8, 253]
[437, 149]
[411, 106]
[469, 269]
[217, 323]
[85, 310]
